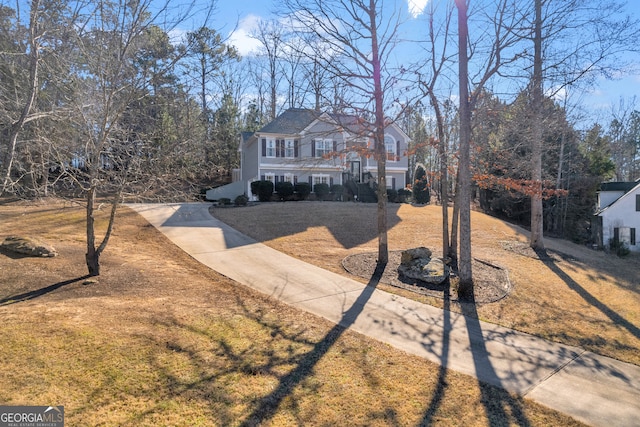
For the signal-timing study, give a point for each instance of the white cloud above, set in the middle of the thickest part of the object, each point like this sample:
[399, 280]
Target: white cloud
[416, 7]
[241, 37]
[177, 36]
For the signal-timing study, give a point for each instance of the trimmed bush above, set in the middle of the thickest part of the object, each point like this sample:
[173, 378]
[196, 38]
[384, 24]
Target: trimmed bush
[392, 195]
[265, 190]
[404, 195]
[241, 200]
[254, 187]
[224, 201]
[303, 189]
[321, 190]
[337, 191]
[284, 190]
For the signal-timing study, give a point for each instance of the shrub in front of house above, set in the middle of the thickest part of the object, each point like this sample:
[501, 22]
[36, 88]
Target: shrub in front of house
[392, 195]
[321, 190]
[404, 195]
[337, 191]
[241, 200]
[254, 187]
[284, 190]
[302, 189]
[265, 190]
[619, 248]
[224, 201]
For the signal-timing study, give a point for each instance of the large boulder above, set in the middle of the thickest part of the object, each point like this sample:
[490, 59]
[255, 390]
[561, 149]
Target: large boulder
[417, 264]
[28, 246]
[415, 253]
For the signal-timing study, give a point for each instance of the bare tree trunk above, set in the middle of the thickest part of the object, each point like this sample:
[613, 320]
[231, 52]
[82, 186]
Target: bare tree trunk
[93, 254]
[381, 151]
[444, 178]
[465, 289]
[437, 63]
[537, 230]
[455, 220]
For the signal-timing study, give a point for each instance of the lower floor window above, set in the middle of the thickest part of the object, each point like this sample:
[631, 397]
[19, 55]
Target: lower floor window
[624, 235]
[320, 179]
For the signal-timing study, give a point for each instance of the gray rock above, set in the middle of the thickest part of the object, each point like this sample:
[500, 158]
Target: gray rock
[28, 246]
[416, 253]
[417, 264]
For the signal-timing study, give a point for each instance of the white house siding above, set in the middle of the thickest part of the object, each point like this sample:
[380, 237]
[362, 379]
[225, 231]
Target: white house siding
[623, 214]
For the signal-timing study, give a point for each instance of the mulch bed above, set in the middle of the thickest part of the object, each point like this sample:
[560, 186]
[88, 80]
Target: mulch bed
[491, 282]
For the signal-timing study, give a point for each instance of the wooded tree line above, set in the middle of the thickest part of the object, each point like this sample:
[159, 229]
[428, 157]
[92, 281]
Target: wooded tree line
[108, 98]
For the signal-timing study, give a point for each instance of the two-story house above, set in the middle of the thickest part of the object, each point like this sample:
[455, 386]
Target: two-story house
[303, 145]
[617, 217]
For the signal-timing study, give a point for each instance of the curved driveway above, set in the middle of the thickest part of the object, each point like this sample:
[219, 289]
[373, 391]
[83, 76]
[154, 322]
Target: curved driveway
[594, 389]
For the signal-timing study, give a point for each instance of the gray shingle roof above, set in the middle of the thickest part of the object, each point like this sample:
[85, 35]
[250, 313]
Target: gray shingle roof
[618, 186]
[292, 121]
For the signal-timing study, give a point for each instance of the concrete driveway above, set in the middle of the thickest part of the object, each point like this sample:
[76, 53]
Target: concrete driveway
[594, 389]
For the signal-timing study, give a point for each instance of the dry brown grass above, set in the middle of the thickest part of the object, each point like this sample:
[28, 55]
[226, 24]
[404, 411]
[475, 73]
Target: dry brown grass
[162, 340]
[589, 300]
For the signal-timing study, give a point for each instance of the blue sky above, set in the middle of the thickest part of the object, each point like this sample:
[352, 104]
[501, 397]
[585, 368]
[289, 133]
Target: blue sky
[240, 16]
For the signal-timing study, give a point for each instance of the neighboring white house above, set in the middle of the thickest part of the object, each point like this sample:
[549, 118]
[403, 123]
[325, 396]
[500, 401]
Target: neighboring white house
[303, 145]
[618, 214]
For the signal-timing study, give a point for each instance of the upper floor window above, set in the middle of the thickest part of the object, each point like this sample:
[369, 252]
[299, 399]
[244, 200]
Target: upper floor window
[323, 148]
[269, 147]
[279, 147]
[289, 148]
[392, 148]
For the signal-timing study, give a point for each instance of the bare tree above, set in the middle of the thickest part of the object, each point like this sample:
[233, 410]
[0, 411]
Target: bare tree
[360, 35]
[465, 289]
[439, 57]
[537, 230]
[32, 52]
[574, 41]
[109, 41]
[315, 74]
[271, 36]
[491, 50]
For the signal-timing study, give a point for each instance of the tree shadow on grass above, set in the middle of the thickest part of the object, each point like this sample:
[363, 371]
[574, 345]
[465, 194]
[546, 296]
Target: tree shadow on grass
[268, 405]
[500, 406]
[439, 392]
[26, 296]
[575, 286]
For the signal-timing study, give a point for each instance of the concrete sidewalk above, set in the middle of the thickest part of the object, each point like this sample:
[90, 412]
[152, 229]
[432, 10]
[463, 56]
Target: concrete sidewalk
[594, 389]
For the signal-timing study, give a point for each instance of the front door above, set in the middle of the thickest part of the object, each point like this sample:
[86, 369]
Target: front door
[355, 170]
